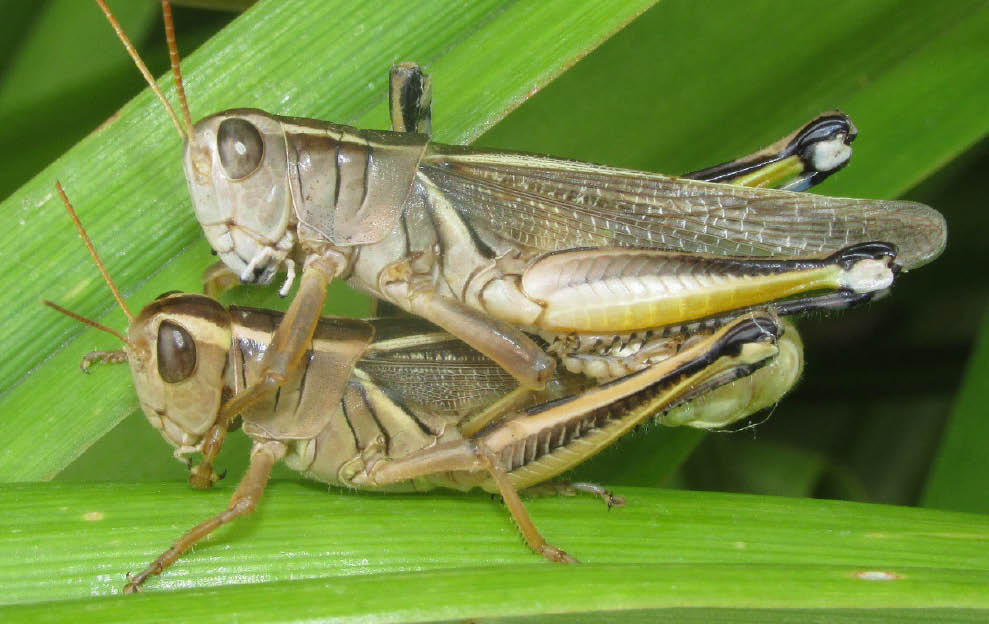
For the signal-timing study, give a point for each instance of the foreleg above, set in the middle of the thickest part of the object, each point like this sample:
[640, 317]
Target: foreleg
[244, 500]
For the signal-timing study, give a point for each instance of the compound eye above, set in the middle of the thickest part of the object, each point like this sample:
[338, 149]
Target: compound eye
[240, 146]
[176, 352]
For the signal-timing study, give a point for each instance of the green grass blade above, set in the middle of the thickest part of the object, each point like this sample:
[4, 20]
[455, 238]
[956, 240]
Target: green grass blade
[663, 549]
[958, 478]
[652, 593]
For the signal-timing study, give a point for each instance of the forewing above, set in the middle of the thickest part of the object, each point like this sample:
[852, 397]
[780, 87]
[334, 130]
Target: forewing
[420, 364]
[549, 204]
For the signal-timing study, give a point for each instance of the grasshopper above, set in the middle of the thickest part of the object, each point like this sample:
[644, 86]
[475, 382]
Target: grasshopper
[398, 404]
[491, 245]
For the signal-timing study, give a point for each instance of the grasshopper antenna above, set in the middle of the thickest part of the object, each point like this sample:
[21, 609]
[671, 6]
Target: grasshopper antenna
[85, 321]
[173, 58]
[173, 54]
[96, 258]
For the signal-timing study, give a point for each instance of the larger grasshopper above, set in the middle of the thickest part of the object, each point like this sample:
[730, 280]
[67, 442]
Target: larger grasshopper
[398, 404]
[488, 244]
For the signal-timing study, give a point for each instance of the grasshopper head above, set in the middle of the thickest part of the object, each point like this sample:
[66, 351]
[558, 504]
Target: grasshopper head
[177, 350]
[235, 165]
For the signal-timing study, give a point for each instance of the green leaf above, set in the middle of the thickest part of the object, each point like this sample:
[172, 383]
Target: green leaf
[958, 478]
[309, 554]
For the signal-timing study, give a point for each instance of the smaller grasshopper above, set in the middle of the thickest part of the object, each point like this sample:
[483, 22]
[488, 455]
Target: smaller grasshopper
[397, 404]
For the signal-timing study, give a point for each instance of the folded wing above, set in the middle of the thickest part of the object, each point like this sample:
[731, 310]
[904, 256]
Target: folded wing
[549, 204]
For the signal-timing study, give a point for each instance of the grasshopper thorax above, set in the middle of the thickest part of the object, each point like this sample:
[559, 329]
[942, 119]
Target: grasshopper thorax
[177, 350]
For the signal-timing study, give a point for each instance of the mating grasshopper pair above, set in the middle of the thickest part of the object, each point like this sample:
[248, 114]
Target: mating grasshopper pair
[490, 245]
[486, 246]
